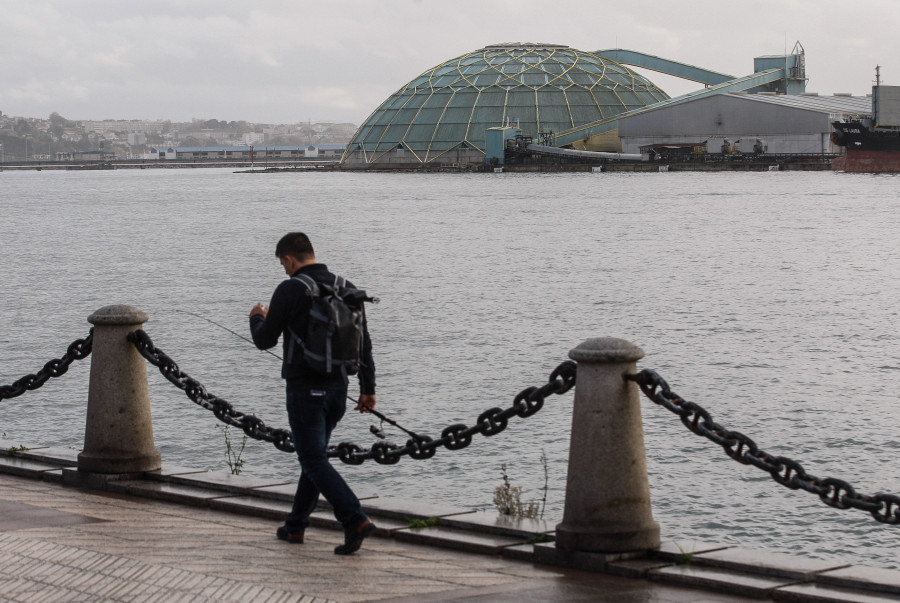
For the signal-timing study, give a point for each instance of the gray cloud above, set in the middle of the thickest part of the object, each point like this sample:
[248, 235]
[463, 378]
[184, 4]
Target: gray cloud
[289, 62]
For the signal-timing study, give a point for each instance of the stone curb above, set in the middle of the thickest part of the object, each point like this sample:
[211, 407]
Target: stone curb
[719, 568]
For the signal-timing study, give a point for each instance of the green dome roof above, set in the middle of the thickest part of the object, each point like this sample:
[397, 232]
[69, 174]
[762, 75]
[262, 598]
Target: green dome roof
[537, 87]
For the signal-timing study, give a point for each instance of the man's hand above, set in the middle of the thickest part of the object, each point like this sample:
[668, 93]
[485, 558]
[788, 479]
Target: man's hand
[366, 403]
[259, 309]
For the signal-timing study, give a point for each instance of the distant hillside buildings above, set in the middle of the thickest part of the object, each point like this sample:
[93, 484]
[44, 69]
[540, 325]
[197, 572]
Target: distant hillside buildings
[34, 138]
[247, 153]
[122, 125]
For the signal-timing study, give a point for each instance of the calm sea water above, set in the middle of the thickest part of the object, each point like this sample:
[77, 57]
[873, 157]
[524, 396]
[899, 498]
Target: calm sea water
[770, 299]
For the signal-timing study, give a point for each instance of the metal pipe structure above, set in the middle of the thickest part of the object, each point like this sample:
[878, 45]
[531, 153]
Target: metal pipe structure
[545, 150]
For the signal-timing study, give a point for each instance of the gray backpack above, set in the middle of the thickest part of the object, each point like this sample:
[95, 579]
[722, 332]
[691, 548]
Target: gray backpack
[333, 340]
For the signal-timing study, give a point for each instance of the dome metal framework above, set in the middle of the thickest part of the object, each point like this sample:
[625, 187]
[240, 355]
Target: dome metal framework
[537, 87]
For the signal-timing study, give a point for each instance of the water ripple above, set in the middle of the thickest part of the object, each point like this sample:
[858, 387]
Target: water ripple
[770, 301]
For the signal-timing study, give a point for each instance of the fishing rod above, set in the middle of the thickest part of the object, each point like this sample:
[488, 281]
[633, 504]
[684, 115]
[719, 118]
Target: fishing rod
[377, 431]
[209, 320]
[380, 432]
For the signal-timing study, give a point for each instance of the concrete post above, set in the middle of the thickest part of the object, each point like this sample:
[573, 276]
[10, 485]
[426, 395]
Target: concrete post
[607, 490]
[118, 436]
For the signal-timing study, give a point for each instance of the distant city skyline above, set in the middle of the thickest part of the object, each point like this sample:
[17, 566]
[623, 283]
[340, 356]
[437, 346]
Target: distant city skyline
[288, 63]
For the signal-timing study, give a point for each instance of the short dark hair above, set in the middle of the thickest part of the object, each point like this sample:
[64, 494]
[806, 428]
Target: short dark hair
[296, 245]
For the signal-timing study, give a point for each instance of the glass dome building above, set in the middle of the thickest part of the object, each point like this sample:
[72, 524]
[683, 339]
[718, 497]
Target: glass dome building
[441, 116]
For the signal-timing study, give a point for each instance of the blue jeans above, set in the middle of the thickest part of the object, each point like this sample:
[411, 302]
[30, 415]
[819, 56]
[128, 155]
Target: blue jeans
[313, 413]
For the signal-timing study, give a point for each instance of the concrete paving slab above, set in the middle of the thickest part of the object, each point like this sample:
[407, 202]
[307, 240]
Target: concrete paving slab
[547, 553]
[521, 552]
[384, 526]
[224, 481]
[15, 465]
[324, 519]
[67, 457]
[721, 580]
[470, 542]
[17, 448]
[286, 492]
[766, 563]
[361, 493]
[859, 577]
[822, 593]
[676, 550]
[494, 523]
[280, 492]
[402, 508]
[72, 476]
[635, 568]
[186, 495]
[388, 527]
[168, 470]
[252, 505]
[54, 475]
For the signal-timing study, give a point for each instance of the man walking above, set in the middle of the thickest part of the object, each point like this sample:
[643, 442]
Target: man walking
[315, 401]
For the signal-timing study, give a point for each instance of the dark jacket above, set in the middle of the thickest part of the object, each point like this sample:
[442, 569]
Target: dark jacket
[289, 308]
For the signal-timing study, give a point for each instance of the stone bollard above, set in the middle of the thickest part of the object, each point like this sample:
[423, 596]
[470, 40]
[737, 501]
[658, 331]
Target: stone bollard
[607, 507]
[118, 436]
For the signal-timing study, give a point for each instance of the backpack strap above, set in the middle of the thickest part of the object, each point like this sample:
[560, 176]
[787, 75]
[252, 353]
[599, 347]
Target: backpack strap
[296, 341]
[307, 280]
[339, 282]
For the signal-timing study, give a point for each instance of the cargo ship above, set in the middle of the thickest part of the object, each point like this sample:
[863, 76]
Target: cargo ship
[871, 144]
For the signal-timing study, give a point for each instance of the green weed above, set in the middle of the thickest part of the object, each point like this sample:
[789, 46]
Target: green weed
[15, 450]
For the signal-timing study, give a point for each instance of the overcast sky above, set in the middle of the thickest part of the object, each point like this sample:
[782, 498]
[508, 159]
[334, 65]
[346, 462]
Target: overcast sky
[287, 62]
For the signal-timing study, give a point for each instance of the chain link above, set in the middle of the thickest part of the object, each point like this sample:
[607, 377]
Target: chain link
[77, 350]
[193, 389]
[787, 472]
[454, 437]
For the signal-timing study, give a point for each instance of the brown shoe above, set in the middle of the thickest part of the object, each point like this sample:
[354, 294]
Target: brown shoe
[292, 537]
[353, 540]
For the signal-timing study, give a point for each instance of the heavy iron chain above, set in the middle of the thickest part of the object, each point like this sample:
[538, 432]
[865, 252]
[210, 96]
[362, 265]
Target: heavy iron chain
[225, 412]
[787, 472]
[454, 437]
[77, 350]
[458, 436]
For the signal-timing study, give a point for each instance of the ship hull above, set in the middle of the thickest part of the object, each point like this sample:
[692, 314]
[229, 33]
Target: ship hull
[867, 161]
[867, 149]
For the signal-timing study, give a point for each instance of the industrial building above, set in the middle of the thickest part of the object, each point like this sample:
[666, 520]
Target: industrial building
[775, 124]
[465, 109]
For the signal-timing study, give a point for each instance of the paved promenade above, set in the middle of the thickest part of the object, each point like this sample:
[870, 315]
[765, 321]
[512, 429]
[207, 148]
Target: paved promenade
[186, 535]
[67, 544]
